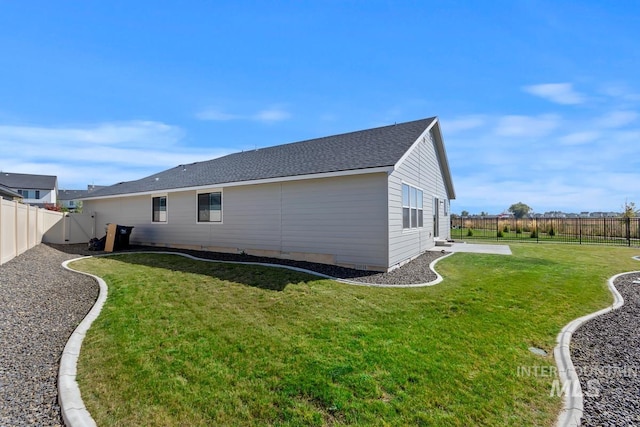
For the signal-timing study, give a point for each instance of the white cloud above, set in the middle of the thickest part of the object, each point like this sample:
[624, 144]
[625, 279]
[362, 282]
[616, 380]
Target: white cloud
[560, 93]
[527, 126]
[130, 133]
[216, 115]
[272, 115]
[616, 119]
[579, 138]
[102, 154]
[460, 124]
[268, 115]
[572, 162]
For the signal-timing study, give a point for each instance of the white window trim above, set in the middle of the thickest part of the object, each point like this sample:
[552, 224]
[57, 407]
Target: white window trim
[153, 196]
[402, 206]
[206, 191]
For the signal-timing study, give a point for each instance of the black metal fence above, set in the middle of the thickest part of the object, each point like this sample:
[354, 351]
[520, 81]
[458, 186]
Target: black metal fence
[609, 231]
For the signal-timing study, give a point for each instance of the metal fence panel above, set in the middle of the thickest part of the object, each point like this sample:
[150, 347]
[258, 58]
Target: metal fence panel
[608, 231]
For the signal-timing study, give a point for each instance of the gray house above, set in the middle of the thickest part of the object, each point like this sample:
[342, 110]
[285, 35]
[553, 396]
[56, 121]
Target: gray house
[36, 190]
[372, 199]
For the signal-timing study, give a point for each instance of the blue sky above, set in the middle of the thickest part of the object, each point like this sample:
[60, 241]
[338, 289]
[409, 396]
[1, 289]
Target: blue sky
[539, 101]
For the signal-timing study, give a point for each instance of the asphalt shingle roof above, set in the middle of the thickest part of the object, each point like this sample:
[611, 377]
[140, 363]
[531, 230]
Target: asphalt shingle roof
[7, 192]
[371, 148]
[28, 182]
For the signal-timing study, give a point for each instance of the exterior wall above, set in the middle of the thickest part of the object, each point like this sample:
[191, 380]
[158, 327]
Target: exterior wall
[421, 169]
[339, 220]
[46, 196]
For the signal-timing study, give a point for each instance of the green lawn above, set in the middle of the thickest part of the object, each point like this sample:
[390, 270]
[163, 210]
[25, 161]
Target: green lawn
[183, 342]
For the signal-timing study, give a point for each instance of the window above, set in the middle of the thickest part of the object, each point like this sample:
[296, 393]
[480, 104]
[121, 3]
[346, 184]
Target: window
[412, 207]
[210, 207]
[159, 209]
[29, 194]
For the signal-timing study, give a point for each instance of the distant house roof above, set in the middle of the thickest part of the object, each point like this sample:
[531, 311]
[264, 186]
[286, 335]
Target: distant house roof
[366, 149]
[7, 192]
[71, 194]
[65, 195]
[27, 181]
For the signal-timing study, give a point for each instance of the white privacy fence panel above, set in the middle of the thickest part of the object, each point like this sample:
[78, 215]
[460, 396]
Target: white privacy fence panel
[73, 228]
[22, 227]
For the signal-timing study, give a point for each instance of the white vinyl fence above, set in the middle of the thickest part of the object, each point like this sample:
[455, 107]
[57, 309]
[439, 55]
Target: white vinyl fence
[22, 227]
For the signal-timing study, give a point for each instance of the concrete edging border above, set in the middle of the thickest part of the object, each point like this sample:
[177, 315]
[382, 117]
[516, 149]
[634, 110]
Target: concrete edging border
[573, 409]
[74, 412]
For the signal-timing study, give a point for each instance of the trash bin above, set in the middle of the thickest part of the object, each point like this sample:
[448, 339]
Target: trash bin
[122, 237]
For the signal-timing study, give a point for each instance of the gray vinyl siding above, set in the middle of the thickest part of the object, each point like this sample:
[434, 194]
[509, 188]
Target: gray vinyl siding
[421, 169]
[344, 217]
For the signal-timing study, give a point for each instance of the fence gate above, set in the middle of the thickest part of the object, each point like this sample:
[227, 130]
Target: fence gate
[79, 227]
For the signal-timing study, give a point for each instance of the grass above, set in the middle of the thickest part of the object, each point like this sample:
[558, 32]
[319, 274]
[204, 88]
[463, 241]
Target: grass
[181, 342]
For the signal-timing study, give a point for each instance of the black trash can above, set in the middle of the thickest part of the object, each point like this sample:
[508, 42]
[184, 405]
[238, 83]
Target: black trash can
[122, 237]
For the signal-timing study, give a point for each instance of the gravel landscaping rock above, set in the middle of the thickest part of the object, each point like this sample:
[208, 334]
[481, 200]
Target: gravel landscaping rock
[606, 354]
[40, 306]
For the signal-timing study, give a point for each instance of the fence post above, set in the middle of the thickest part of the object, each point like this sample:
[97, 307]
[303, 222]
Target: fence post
[628, 224]
[580, 225]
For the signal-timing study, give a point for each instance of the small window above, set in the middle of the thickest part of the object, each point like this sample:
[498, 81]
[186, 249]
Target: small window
[420, 210]
[210, 207]
[406, 207]
[159, 213]
[412, 207]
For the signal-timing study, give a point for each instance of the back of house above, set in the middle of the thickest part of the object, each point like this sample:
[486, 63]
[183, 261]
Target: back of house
[372, 199]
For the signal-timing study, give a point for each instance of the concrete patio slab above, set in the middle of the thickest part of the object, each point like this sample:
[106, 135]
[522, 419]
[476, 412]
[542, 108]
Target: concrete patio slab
[474, 248]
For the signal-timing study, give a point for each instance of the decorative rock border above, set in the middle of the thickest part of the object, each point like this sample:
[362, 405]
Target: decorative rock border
[74, 412]
[573, 404]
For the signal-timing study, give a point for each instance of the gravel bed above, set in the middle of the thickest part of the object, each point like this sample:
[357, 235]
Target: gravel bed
[40, 306]
[414, 272]
[606, 354]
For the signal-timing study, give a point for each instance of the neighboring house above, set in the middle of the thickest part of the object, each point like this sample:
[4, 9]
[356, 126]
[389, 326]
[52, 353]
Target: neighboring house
[70, 199]
[372, 199]
[9, 194]
[36, 190]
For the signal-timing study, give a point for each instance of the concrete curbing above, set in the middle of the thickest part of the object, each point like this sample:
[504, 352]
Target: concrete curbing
[74, 412]
[573, 409]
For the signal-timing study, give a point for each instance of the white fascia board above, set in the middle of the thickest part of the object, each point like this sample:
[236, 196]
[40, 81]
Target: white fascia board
[443, 162]
[385, 169]
[415, 144]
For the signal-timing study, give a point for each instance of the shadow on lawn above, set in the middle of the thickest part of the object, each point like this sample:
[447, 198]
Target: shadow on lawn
[262, 277]
[330, 270]
[267, 278]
